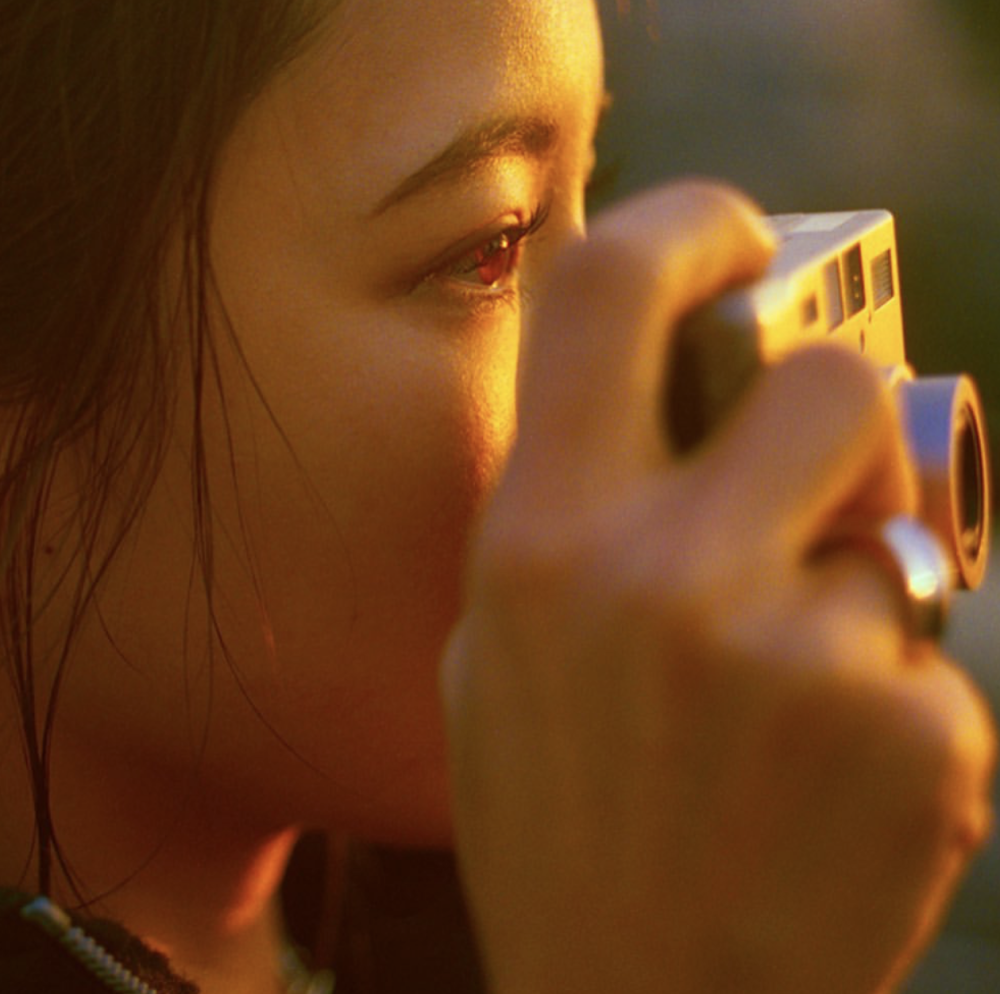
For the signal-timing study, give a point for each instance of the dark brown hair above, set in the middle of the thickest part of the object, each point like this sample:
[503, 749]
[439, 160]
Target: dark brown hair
[112, 113]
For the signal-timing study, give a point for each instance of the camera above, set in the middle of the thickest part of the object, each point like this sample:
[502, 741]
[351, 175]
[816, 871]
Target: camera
[835, 278]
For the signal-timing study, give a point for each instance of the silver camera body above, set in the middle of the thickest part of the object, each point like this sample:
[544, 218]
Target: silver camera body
[835, 278]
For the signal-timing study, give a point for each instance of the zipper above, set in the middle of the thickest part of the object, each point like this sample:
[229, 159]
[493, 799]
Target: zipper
[86, 950]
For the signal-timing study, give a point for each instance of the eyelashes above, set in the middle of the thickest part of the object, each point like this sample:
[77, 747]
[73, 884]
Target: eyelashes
[491, 263]
[490, 267]
[496, 260]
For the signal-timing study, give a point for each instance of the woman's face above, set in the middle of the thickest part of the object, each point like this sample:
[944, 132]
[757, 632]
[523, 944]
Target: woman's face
[381, 215]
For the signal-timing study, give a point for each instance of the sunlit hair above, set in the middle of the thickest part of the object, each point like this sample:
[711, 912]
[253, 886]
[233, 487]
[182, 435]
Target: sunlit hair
[112, 113]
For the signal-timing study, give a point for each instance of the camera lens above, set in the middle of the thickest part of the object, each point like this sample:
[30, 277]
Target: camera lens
[947, 434]
[969, 476]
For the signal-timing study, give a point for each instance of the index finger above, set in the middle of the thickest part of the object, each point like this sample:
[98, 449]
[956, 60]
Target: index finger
[594, 362]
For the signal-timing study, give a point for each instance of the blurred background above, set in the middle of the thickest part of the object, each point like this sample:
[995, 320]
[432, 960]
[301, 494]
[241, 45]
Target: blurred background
[812, 105]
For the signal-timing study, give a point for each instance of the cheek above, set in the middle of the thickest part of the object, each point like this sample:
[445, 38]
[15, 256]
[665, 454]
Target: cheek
[434, 452]
[393, 437]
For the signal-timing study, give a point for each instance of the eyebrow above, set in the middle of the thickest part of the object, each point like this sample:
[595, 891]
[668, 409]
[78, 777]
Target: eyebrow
[527, 137]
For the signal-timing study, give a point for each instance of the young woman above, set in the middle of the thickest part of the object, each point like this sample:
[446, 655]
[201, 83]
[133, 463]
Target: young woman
[272, 273]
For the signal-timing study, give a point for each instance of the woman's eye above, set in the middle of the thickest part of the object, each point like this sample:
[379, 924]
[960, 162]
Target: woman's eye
[492, 263]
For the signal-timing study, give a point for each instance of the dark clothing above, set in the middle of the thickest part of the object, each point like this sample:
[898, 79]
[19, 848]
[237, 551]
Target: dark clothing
[43, 950]
[399, 924]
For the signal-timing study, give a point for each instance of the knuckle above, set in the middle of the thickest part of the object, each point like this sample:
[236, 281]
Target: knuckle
[651, 239]
[715, 203]
[722, 204]
[965, 735]
[953, 757]
[613, 261]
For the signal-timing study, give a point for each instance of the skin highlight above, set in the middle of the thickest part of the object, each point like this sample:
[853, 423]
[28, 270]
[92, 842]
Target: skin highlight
[413, 414]
[357, 407]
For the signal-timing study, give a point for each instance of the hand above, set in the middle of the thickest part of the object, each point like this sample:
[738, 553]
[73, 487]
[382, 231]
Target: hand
[689, 755]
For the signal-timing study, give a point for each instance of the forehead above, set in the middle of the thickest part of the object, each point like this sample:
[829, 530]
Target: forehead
[386, 83]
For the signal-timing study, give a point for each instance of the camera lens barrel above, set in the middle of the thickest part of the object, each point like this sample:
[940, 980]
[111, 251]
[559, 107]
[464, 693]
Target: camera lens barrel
[946, 428]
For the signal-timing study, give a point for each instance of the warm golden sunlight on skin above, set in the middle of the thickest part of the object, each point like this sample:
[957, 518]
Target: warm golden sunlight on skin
[399, 561]
[376, 230]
